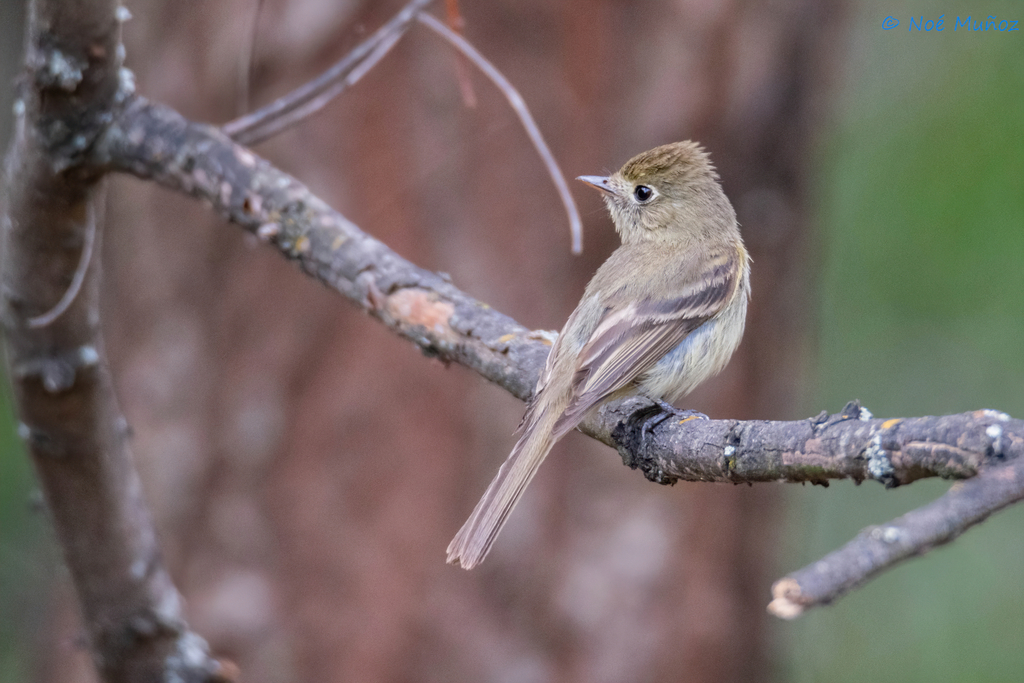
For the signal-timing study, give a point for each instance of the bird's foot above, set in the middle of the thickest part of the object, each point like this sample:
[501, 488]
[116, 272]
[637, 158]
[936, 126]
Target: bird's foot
[668, 412]
[655, 419]
[632, 438]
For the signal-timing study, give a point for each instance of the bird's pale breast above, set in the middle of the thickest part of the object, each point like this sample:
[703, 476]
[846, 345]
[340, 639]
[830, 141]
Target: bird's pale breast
[703, 353]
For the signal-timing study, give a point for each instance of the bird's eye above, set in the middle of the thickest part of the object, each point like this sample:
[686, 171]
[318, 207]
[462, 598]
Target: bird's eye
[643, 193]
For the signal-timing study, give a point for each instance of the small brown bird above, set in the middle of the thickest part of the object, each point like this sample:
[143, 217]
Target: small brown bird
[661, 315]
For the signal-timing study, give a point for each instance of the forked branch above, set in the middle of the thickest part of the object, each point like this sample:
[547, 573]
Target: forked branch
[311, 97]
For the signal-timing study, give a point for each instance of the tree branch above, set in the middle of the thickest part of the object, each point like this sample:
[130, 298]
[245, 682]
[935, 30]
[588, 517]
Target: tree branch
[445, 322]
[152, 141]
[879, 547]
[69, 418]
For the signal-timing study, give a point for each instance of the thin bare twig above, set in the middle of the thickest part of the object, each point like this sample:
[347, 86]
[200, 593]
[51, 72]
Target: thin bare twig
[519, 106]
[248, 58]
[272, 126]
[310, 97]
[79, 277]
[306, 100]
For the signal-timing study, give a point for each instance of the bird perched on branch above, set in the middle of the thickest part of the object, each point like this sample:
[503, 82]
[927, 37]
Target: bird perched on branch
[661, 315]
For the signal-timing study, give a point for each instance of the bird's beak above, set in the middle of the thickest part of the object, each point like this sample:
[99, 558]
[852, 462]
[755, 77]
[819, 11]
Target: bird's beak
[598, 181]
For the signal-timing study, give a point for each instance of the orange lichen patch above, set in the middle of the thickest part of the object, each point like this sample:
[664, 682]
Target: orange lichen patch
[891, 423]
[545, 337]
[687, 419]
[420, 308]
[506, 338]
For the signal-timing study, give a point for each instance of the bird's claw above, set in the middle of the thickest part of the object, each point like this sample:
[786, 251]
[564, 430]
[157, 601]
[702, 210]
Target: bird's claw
[666, 413]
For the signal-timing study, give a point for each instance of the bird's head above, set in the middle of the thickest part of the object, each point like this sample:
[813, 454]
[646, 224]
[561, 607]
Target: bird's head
[670, 191]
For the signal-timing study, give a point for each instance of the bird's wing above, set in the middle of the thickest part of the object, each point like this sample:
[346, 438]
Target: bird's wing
[631, 337]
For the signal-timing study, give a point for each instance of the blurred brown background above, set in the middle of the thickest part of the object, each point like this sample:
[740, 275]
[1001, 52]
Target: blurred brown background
[307, 468]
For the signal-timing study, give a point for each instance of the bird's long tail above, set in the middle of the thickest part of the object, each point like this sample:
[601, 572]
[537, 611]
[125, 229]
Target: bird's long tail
[471, 544]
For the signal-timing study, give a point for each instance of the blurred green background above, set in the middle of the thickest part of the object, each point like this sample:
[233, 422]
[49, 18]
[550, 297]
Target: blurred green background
[28, 554]
[920, 197]
[920, 200]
